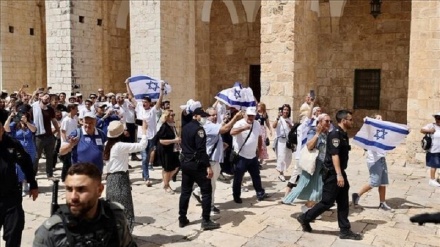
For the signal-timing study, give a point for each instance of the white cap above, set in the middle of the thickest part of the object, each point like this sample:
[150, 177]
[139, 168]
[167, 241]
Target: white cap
[251, 111]
[89, 114]
[436, 114]
[78, 95]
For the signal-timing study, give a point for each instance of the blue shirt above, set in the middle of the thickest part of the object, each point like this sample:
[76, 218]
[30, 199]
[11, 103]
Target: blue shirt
[89, 148]
[212, 136]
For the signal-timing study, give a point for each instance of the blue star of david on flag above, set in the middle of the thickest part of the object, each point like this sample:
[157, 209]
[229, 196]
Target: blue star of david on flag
[380, 134]
[147, 86]
[237, 94]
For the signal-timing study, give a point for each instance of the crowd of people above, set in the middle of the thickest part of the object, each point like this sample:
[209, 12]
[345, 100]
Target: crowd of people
[101, 133]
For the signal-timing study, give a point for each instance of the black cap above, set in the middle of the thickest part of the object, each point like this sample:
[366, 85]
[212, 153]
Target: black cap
[201, 112]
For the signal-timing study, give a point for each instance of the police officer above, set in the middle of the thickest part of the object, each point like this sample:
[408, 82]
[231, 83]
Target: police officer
[196, 168]
[85, 220]
[336, 185]
[11, 210]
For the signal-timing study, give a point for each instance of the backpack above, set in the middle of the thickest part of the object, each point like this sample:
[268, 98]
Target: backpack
[292, 137]
[426, 142]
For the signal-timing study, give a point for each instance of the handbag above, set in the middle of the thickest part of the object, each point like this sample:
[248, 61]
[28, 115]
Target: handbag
[267, 141]
[307, 160]
[426, 142]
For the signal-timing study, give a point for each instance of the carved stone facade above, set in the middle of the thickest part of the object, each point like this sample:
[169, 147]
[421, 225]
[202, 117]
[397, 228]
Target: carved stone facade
[201, 47]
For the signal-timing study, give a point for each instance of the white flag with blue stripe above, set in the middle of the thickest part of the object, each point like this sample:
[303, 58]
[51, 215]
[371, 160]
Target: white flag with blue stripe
[302, 131]
[380, 136]
[237, 97]
[144, 85]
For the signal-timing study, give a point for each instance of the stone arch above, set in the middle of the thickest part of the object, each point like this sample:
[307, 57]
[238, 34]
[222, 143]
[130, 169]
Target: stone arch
[251, 8]
[206, 11]
[121, 14]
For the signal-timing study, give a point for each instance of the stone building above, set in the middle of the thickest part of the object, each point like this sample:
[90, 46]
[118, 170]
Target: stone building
[281, 48]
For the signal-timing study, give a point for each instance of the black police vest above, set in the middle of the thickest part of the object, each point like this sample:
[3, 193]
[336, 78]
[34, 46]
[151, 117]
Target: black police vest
[9, 187]
[81, 234]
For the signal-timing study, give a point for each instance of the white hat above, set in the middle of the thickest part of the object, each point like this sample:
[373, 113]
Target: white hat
[188, 103]
[436, 114]
[115, 129]
[251, 111]
[89, 114]
[195, 105]
[78, 95]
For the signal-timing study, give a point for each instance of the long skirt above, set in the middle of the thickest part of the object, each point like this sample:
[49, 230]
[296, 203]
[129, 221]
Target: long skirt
[263, 149]
[284, 155]
[119, 190]
[309, 187]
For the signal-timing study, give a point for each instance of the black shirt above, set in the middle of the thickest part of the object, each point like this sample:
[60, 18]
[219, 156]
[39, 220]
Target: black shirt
[194, 144]
[11, 153]
[3, 116]
[337, 144]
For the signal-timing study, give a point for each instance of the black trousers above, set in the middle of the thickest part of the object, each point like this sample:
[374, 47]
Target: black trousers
[131, 138]
[67, 163]
[331, 192]
[56, 151]
[191, 174]
[12, 220]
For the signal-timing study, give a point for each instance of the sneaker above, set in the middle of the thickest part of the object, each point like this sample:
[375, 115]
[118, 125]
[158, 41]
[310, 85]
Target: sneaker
[183, 223]
[305, 225]
[304, 209]
[215, 210]
[355, 199]
[198, 198]
[209, 225]
[385, 207]
[148, 183]
[434, 183]
[282, 178]
[150, 167]
[350, 235]
[262, 197]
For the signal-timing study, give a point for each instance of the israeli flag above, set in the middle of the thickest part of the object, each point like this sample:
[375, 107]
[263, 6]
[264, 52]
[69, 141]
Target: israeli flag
[238, 97]
[380, 136]
[144, 85]
[302, 131]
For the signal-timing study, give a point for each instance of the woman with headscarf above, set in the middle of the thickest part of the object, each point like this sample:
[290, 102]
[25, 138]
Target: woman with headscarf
[117, 153]
[167, 150]
[433, 154]
[309, 187]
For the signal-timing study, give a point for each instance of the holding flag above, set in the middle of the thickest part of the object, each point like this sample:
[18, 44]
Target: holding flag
[380, 136]
[238, 97]
[144, 85]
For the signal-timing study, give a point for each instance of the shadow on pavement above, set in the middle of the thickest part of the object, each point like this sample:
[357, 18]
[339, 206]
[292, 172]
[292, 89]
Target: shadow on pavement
[144, 220]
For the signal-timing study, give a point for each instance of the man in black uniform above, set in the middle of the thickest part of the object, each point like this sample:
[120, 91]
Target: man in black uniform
[196, 168]
[11, 210]
[336, 185]
[85, 220]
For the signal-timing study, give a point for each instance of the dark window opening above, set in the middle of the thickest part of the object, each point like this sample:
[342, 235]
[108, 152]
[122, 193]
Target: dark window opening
[254, 80]
[99, 22]
[367, 89]
[31, 31]
[11, 29]
[81, 19]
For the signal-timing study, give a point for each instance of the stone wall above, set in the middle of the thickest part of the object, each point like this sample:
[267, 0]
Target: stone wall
[22, 54]
[177, 42]
[358, 41]
[424, 73]
[233, 47]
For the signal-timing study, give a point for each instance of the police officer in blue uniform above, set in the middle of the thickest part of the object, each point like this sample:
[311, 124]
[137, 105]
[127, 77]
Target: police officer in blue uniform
[11, 210]
[335, 180]
[196, 168]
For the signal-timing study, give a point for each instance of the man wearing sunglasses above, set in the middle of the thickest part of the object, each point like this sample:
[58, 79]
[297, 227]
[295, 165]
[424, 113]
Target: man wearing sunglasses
[336, 184]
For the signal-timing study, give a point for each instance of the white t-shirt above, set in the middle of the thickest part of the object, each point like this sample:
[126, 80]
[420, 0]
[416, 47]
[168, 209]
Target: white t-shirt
[283, 128]
[84, 110]
[249, 149]
[128, 113]
[150, 116]
[69, 125]
[435, 148]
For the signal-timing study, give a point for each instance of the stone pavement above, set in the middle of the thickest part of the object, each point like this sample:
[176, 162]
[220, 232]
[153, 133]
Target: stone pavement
[269, 223]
